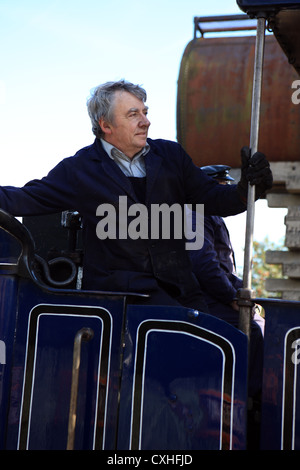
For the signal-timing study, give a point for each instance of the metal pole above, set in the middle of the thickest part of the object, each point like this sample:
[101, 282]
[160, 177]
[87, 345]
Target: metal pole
[245, 293]
[85, 334]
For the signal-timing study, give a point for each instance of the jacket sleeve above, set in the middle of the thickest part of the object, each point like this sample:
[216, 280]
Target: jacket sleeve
[207, 269]
[53, 193]
[222, 200]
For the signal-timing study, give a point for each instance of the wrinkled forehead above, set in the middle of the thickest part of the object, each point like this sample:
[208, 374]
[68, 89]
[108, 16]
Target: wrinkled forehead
[125, 101]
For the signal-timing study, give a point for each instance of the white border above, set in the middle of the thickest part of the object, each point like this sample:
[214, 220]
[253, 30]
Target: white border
[175, 331]
[76, 306]
[283, 392]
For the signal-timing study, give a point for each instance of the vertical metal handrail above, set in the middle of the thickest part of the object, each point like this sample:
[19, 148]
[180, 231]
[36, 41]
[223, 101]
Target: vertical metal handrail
[245, 294]
[254, 132]
[85, 334]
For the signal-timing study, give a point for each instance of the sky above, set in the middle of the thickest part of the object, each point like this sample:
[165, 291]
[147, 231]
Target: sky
[53, 52]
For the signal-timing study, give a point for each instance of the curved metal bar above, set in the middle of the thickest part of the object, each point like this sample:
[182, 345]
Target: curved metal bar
[15, 228]
[27, 259]
[85, 334]
[60, 261]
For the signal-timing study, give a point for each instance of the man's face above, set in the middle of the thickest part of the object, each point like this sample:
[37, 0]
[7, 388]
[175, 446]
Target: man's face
[129, 130]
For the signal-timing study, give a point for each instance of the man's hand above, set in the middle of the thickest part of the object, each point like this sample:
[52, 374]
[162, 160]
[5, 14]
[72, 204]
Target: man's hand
[256, 171]
[234, 305]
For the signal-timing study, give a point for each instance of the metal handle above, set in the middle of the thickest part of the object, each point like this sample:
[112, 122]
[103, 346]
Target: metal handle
[15, 228]
[245, 310]
[85, 334]
[254, 132]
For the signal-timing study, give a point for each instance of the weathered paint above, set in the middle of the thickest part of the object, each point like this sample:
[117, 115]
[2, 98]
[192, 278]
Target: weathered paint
[215, 95]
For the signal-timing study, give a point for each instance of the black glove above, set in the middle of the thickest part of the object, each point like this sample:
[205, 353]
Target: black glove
[256, 171]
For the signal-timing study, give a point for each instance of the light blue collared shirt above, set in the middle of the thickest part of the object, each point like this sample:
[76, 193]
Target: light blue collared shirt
[130, 166]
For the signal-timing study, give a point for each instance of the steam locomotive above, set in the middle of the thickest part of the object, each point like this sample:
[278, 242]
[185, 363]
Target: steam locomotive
[90, 370]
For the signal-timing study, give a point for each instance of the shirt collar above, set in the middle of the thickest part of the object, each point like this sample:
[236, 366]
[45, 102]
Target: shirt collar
[116, 154]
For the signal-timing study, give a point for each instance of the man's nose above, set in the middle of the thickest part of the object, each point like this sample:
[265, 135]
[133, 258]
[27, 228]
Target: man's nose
[144, 121]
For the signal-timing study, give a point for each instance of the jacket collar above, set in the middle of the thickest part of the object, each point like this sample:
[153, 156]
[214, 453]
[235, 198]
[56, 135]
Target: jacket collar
[152, 161]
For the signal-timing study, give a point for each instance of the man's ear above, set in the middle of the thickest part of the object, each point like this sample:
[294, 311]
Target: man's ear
[105, 126]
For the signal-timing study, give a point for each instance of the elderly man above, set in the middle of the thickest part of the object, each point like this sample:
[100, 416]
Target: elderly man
[119, 172]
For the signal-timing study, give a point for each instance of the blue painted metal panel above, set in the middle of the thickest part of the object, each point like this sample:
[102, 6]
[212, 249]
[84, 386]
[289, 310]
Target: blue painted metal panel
[8, 302]
[280, 427]
[183, 378]
[183, 383]
[194, 383]
[52, 376]
[202, 406]
[47, 322]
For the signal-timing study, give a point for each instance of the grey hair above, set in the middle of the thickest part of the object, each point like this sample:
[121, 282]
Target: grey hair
[100, 103]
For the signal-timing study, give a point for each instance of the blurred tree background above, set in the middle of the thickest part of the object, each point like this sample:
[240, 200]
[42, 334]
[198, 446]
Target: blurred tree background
[261, 270]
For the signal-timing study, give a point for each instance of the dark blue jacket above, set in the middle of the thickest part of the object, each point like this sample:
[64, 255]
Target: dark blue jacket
[214, 264]
[91, 178]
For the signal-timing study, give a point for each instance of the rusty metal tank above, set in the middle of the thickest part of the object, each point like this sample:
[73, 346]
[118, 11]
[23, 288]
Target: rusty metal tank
[215, 95]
